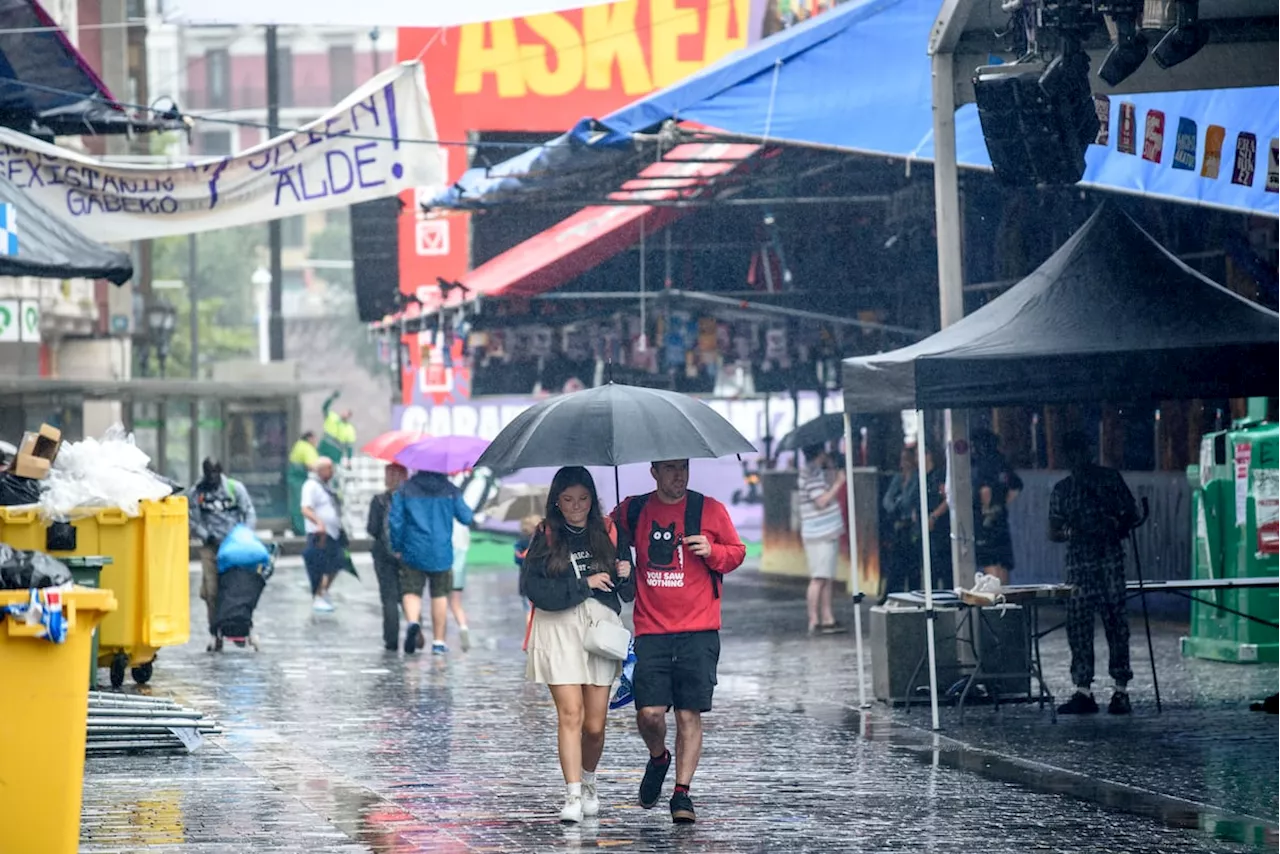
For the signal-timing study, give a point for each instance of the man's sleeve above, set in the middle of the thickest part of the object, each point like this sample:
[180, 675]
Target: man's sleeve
[727, 550]
[377, 518]
[306, 496]
[625, 539]
[195, 516]
[1057, 496]
[243, 499]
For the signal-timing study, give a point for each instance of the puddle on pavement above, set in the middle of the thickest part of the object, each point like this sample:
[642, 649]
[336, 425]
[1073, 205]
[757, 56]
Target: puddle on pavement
[942, 751]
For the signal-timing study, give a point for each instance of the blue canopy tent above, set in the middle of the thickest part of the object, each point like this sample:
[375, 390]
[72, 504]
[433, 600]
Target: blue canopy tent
[858, 79]
[47, 88]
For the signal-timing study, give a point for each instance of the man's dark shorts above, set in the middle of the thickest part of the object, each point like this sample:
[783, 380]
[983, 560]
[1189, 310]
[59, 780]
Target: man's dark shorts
[676, 670]
[414, 581]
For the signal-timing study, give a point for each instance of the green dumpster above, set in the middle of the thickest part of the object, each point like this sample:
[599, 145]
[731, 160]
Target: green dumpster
[1235, 534]
[86, 570]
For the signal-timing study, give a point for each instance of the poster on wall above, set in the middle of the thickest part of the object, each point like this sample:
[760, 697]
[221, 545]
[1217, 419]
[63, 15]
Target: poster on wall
[1266, 509]
[1244, 455]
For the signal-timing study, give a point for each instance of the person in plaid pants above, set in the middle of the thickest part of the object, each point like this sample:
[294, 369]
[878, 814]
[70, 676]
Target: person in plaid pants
[1092, 511]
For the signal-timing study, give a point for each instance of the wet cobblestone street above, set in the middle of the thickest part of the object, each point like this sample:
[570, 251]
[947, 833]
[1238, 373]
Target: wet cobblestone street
[333, 745]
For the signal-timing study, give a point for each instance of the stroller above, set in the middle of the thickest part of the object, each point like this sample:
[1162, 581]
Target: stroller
[239, 588]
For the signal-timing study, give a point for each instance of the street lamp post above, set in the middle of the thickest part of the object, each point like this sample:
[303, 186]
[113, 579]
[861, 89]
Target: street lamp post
[262, 286]
[162, 319]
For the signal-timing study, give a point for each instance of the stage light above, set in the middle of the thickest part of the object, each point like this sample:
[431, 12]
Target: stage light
[1128, 44]
[1185, 39]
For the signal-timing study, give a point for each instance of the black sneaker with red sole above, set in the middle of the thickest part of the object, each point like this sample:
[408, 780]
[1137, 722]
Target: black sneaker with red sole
[655, 774]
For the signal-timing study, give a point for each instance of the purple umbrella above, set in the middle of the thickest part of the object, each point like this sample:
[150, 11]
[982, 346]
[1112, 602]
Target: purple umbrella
[445, 454]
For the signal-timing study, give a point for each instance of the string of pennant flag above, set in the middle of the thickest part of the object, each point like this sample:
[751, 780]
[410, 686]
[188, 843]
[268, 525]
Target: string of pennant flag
[1188, 154]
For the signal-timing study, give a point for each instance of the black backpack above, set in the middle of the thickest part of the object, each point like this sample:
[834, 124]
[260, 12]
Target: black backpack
[692, 524]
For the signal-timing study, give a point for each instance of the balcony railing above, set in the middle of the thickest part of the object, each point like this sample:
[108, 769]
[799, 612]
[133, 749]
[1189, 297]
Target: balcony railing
[307, 96]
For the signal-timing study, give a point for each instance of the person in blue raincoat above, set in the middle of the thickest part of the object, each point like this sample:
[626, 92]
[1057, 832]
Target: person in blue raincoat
[423, 511]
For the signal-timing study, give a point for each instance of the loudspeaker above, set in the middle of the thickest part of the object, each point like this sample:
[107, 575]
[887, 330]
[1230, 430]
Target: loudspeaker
[375, 257]
[1037, 122]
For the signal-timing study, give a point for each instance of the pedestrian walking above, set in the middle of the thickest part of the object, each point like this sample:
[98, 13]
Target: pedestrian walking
[423, 511]
[477, 485]
[685, 542]
[325, 552]
[995, 486]
[1092, 511]
[215, 505]
[821, 525]
[386, 566]
[574, 580]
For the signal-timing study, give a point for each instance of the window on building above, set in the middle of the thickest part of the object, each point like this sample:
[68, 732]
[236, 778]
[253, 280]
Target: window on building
[342, 72]
[293, 231]
[217, 80]
[215, 143]
[285, 64]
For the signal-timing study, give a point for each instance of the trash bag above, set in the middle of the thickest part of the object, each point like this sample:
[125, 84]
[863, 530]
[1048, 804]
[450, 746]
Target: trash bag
[16, 490]
[111, 472]
[241, 548]
[21, 569]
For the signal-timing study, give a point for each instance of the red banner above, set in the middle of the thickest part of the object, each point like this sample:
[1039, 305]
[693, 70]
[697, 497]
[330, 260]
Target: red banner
[544, 73]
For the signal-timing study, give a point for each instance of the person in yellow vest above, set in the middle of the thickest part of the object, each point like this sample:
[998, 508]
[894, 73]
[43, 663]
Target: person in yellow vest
[302, 458]
[339, 439]
[304, 451]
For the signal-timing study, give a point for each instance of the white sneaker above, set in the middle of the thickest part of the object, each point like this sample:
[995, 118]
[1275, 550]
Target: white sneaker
[464, 638]
[320, 606]
[572, 811]
[590, 799]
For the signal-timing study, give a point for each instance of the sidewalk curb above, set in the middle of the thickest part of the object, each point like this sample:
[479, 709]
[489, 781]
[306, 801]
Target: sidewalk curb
[1182, 813]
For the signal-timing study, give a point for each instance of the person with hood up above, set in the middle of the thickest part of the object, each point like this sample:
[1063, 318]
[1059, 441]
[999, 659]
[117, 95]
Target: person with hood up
[215, 505]
[423, 511]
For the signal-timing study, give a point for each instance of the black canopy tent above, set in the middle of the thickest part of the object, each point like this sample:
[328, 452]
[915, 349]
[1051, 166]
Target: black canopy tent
[49, 248]
[1112, 315]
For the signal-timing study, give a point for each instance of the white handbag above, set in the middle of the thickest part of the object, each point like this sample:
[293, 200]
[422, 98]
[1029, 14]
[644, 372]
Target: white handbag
[605, 638]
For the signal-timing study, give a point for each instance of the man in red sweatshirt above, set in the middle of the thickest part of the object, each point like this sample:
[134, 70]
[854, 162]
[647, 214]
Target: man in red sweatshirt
[684, 542]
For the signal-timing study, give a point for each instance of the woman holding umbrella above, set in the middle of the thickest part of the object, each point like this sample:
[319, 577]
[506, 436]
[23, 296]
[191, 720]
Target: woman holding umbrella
[573, 577]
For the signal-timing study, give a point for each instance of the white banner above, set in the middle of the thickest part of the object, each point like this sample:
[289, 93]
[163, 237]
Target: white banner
[344, 13]
[367, 147]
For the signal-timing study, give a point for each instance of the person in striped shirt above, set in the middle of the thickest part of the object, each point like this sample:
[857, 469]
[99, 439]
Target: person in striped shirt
[821, 526]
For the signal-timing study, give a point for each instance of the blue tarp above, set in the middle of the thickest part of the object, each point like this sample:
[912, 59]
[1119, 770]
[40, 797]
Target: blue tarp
[858, 78]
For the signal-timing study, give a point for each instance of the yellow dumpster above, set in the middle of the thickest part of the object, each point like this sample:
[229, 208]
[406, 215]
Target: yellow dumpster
[45, 709]
[150, 556]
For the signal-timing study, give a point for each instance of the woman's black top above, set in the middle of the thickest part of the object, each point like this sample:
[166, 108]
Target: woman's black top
[564, 590]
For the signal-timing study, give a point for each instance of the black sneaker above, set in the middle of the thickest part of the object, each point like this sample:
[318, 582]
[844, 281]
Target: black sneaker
[655, 774]
[1119, 704]
[1079, 704]
[682, 809]
[412, 639]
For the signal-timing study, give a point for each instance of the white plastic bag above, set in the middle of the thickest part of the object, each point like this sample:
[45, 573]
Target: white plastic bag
[111, 472]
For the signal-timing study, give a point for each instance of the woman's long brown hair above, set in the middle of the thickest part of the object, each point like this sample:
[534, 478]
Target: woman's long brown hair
[553, 546]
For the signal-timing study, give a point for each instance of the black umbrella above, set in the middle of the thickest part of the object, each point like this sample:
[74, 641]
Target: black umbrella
[819, 431]
[613, 425]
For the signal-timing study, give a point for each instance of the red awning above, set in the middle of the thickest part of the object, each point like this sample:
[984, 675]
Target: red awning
[597, 233]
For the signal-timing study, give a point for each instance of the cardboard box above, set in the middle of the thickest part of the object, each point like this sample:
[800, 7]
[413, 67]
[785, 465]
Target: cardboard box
[37, 452]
